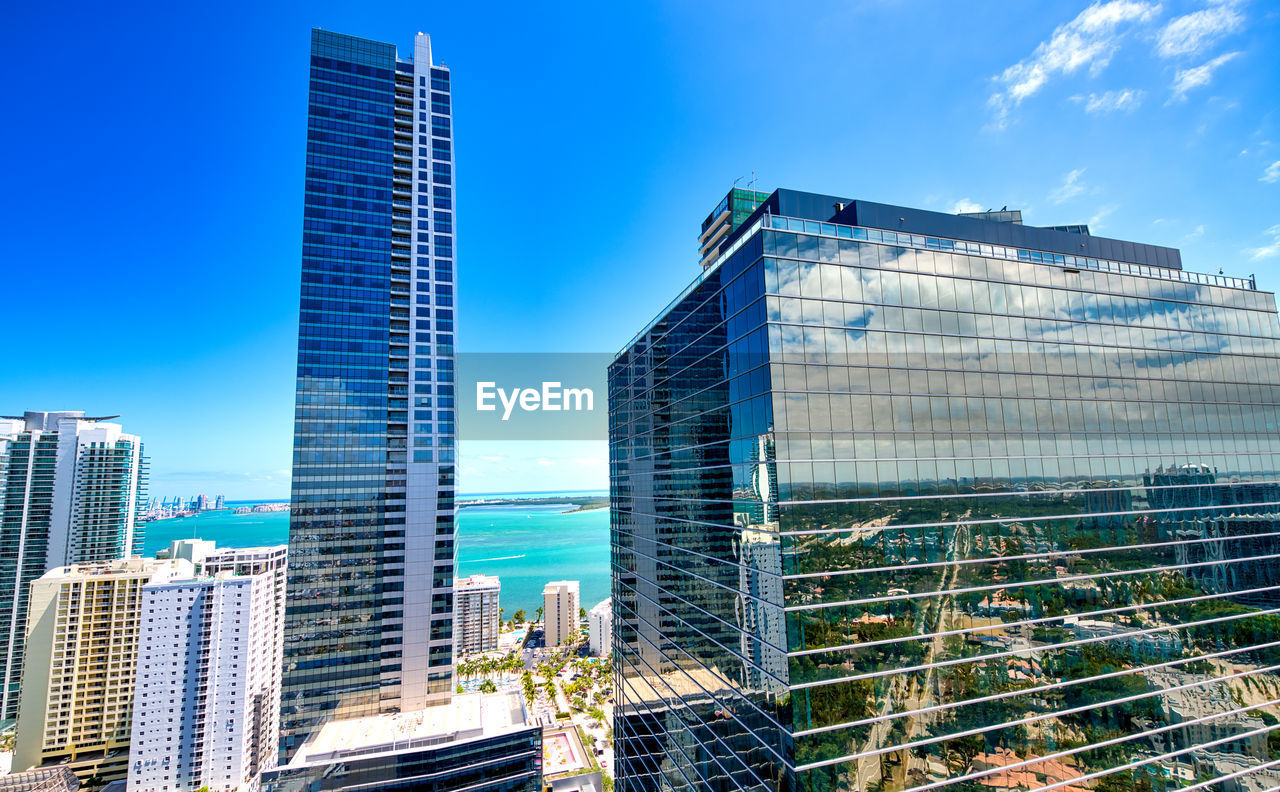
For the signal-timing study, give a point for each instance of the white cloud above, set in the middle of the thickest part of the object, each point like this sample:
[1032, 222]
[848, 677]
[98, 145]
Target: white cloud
[1111, 101]
[1195, 233]
[1197, 77]
[1272, 173]
[1089, 40]
[1095, 222]
[1071, 187]
[1192, 33]
[1267, 251]
[965, 205]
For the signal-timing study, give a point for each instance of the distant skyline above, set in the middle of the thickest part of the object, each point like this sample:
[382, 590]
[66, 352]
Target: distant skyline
[154, 244]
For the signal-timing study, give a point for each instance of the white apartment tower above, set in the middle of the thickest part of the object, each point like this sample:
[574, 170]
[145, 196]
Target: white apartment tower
[207, 697]
[560, 611]
[475, 613]
[70, 491]
[600, 628]
[82, 649]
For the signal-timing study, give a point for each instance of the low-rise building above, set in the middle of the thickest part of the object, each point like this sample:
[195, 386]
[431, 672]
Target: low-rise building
[58, 778]
[1164, 644]
[1239, 772]
[477, 742]
[1206, 713]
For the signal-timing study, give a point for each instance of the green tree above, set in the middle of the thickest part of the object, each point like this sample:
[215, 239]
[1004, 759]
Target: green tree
[526, 686]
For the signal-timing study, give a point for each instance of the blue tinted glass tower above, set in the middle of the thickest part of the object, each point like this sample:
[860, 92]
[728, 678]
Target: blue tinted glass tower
[369, 621]
[909, 501]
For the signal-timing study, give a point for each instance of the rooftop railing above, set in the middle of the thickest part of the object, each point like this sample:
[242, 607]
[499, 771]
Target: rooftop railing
[922, 242]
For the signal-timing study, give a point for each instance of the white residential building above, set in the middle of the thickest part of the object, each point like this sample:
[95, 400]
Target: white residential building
[207, 696]
[193, 550]
[560, 611]
[600, 628]
[764, 633]
[475, 613]
[82, 648]
[71, 488]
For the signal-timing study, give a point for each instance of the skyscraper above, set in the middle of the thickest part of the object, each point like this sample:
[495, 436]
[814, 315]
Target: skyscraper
[71, 489]
[206, 701]
[369, 621]
[907, 500]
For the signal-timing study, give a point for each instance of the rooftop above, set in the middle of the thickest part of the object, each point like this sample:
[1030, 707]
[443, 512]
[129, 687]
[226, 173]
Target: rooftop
[976, 234]
[156, 569]
[557, 585]
[469, 716]
[477, 582]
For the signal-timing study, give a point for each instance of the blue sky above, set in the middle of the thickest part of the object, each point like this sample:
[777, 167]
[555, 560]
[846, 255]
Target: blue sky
[153, 184]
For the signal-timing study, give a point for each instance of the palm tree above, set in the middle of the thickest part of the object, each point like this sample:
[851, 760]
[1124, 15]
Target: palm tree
[526, 685]
[547, 671]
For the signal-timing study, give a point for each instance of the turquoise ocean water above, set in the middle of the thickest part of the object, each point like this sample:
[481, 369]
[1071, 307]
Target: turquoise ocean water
[526, 546]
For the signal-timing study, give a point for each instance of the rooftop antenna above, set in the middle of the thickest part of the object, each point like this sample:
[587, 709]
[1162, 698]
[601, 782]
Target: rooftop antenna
[752, 184]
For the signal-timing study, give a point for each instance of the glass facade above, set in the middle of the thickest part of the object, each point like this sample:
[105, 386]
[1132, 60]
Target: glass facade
[71, 491]
[894, 511]
[732, 211]
[506, 763]
[369, 626]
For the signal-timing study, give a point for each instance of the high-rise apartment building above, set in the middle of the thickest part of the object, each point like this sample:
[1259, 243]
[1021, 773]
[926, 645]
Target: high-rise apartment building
[206, 712]
[369, 620]
[82, 650]
[906, 500]
[600, 628]
[560, 606]
[71, 490]
[475, 613]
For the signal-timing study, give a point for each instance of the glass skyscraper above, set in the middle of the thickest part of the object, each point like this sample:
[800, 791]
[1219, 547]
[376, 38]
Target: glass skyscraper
[71, 490]
[369, 618]
[905, 500]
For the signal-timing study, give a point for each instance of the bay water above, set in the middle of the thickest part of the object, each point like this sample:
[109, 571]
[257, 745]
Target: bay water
[526, 545]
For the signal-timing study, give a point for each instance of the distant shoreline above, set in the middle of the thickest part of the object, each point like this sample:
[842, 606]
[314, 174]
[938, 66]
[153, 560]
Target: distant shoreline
[580, 504]
[493, 498]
